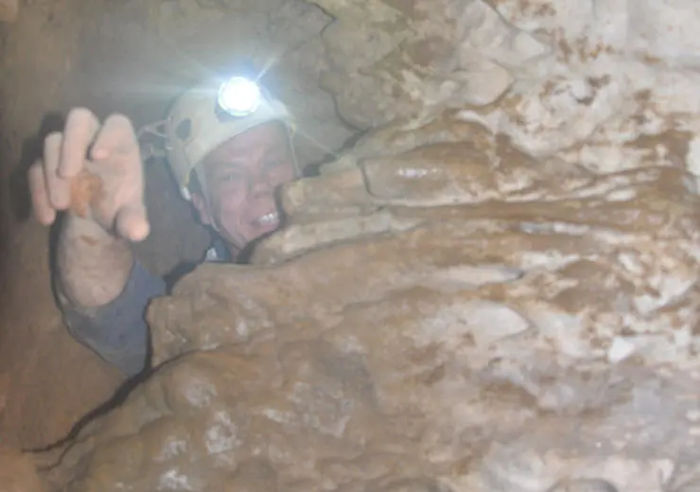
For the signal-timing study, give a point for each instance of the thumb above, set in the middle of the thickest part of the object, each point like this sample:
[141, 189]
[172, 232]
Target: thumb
[132, 223]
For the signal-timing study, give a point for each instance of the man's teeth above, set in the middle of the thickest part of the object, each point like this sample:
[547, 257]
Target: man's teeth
[268, 219]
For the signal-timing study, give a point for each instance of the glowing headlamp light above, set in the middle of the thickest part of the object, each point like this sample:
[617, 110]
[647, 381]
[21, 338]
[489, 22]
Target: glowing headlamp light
[239, 96]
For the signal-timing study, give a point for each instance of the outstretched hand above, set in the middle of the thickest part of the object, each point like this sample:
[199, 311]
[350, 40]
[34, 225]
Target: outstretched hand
[94, 171]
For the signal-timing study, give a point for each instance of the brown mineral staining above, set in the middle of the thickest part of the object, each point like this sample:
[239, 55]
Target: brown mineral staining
[598, 82]
[652, 60]
[564, 48]
[671, 145]
[405, 339]
[85, 191]
[545, 10]
[444, 309]
[643, 96]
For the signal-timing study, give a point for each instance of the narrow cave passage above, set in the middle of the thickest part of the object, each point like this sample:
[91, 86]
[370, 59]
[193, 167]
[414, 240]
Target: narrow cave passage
[368, 245]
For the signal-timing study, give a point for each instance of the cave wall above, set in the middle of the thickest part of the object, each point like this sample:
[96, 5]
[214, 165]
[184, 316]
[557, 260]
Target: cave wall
[131, 57]
[495, 289]
[607, 85]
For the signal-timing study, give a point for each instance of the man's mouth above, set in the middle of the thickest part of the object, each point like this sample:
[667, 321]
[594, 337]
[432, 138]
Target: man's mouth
[267, 220]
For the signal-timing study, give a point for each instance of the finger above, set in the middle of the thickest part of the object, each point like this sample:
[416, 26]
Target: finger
[132, 223]
[43, 211]
[80, 130]
[58, 188]
[116, 137]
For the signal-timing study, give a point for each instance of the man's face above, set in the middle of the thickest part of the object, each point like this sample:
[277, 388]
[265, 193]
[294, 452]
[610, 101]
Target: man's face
[241, 176]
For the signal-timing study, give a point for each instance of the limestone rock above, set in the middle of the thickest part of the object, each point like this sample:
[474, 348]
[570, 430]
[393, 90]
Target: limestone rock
[453, 304]
[410, 57]
[605, 84]
[435, 332]
[18, 473]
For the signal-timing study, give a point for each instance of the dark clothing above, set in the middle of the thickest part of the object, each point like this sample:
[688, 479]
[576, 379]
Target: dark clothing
[118, 331]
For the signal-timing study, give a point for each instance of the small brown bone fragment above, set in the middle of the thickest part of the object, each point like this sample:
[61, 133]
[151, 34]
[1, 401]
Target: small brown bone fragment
[85, 190]
[9, 10]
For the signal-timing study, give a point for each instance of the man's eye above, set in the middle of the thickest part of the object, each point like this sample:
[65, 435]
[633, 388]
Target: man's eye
[231, 176]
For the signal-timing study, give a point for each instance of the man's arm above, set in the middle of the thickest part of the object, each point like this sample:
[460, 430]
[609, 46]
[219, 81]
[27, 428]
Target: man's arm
[117, 331]
[94, 255]
[93, 265]
[94, 173]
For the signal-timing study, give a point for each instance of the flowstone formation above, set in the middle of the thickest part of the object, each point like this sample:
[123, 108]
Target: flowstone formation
[496, 289]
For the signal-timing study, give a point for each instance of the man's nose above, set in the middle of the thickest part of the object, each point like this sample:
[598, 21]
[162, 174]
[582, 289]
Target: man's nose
[259, 184]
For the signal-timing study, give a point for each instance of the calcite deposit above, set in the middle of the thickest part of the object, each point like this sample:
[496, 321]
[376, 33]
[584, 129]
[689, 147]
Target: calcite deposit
[605, 84]
[496, 289]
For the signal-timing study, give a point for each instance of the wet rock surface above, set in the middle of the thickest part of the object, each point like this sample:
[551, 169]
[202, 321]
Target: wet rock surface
[511, 344]
[453, 304]
[130, 57]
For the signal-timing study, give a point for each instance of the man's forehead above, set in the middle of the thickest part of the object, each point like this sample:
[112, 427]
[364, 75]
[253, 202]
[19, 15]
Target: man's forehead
[258, 139]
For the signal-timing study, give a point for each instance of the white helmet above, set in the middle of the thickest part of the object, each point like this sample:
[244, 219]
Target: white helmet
[209, 114]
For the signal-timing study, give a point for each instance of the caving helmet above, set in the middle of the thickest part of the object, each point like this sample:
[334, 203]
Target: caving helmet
[209, 114]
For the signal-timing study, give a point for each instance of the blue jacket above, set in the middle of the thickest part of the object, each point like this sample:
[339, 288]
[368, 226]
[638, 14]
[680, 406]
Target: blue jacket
[118, 331]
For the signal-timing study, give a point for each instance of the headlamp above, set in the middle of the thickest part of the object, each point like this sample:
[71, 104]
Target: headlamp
[239, 96]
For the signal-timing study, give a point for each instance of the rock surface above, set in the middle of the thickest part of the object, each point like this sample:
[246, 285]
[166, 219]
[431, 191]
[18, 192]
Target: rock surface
[496, 289]
[17, 473]
[9, 10]
[131, 57]
[606, 84]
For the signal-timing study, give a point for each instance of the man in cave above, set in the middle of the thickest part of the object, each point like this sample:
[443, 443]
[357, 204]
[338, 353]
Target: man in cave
[229, 147]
